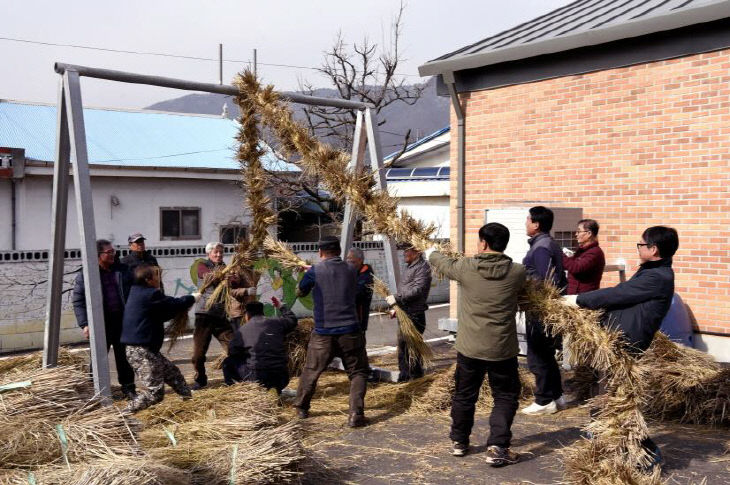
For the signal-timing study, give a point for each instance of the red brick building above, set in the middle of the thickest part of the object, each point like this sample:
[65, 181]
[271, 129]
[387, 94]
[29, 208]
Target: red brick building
[621, 109]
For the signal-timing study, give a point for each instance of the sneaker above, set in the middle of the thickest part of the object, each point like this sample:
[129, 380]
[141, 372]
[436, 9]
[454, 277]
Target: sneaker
[356, 420]
[302, 413]
[498, 456]
[561, 402]
[535, 409]
[459, 448]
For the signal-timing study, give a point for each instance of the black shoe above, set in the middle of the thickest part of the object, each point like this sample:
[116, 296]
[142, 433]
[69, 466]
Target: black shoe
[357, 420]
[459, 448]
[197, 386]
[655, 459]
[498, 456]
[129, 395]
[302, 413]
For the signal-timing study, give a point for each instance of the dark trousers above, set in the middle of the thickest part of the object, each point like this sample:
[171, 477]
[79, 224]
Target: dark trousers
[410, 370]
[541, 362]
[322, 349]
[207, 327]
[125, 373]
[504, 380]
[236, 370]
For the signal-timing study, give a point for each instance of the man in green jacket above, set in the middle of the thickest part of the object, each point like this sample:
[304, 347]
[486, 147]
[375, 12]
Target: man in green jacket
[486, 341]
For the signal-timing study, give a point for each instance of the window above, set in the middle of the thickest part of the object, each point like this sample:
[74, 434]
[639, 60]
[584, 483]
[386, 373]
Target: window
[180, 223]
[565, 239]
[233, 234]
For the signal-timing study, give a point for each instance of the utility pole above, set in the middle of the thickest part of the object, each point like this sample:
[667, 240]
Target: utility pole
[255, 73]
[220, 64]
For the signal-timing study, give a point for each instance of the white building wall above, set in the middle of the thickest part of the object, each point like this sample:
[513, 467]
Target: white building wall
[5, 214]
[433, 210]
[140, 200]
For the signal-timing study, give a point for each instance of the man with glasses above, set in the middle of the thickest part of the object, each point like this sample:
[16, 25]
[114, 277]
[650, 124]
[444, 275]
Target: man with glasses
[115, 283]
[637, 307]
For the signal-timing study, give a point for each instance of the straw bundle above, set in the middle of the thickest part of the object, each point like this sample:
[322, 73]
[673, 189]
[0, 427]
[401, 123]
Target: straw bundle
[220, 402]
[34, 361]
[283, 253]
[619, 425]
[296, 345]
[685, 384]
[418, 349]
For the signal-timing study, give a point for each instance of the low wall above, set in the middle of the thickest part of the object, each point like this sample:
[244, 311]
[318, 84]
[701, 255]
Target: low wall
[23, 288]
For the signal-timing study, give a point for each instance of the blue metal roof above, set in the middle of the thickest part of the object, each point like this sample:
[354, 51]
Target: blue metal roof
[420, 142]
[130, 138]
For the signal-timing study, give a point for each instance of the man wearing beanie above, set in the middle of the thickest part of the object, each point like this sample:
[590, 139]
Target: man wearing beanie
[257, 352]
[337, 331]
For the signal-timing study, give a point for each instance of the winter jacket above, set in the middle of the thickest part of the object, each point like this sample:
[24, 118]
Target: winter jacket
[145, 314]
[238, 295]
[490, 285]
[334, 286]
[78, 297]
[638, 305]
[364, 295]
[261, 341]
[414, 287]
[585, 269]
[545, 258]
[206, 271]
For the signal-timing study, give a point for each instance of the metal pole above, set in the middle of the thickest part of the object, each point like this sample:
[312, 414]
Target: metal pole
[255, 63]
[85, 213]
[59, 209]
[220, 64]
[376, 162]
[356, 163]
[166, 82]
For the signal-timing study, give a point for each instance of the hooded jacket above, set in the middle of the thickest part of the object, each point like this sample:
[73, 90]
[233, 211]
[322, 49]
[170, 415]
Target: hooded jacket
[637, 306]
[490, 286]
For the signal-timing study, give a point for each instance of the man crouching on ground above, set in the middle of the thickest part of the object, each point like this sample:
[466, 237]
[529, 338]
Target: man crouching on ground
[257, 352]
[143, 332]
[487, 340]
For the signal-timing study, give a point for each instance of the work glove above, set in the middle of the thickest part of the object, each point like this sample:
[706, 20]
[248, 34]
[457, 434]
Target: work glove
[251, 291]
[276, 302]
[570, 300]
[391, 313]
[390, 300]
[196, 296]
[427, 253]
[569, 253]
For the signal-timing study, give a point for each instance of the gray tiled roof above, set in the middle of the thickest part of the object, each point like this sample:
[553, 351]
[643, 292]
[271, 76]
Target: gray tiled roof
[578, 24]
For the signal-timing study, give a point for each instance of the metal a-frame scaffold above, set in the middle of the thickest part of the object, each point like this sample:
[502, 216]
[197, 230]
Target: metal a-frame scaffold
[71, 149]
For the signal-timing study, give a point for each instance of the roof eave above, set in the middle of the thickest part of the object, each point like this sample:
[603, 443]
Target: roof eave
[639, 27]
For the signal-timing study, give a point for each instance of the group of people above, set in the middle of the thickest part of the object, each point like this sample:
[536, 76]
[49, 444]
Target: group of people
[487, 344]
[135, 309]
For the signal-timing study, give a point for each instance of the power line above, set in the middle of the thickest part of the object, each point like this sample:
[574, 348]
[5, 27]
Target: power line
[162, 156]
[163, 54]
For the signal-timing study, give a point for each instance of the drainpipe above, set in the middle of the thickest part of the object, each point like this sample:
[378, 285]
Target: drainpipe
[450, 82]
[13, 236]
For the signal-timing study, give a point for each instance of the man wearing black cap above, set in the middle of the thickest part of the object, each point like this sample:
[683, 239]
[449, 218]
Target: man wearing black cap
[337, 331]
[257, 352]
[139, 255]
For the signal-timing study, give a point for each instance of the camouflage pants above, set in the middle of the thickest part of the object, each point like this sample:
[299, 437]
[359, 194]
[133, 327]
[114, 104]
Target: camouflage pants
[154, 370]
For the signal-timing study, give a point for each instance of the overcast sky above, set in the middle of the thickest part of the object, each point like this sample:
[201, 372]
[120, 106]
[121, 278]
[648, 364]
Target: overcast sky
[283, 31]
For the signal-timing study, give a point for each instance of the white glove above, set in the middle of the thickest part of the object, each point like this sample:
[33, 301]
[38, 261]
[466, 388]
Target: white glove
[390, 300]
[570, 300]
[251, 291]
[427, 252]
[196, 296]
[569, 253]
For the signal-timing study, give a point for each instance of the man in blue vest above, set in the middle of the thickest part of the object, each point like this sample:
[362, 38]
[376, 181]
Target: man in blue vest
[337, 331]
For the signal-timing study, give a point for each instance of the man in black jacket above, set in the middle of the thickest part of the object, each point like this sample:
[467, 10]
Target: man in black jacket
[146, 312]
[138, 254]
[364, 295]
[257, 352]
[336, 332]
[637, 307]
[411, 297]
[115, 283]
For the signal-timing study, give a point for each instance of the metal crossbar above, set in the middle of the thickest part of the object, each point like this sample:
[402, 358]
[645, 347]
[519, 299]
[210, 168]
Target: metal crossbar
[71, 149]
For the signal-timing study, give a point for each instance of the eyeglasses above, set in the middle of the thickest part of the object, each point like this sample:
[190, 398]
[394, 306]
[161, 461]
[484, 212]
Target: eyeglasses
[638, 245]
[581, 232]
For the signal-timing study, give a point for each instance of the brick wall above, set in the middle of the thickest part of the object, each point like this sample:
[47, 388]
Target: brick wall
[634, 147]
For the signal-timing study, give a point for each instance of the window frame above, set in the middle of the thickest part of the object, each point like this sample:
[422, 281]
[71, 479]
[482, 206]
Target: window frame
[180, 210]
[224, 227]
